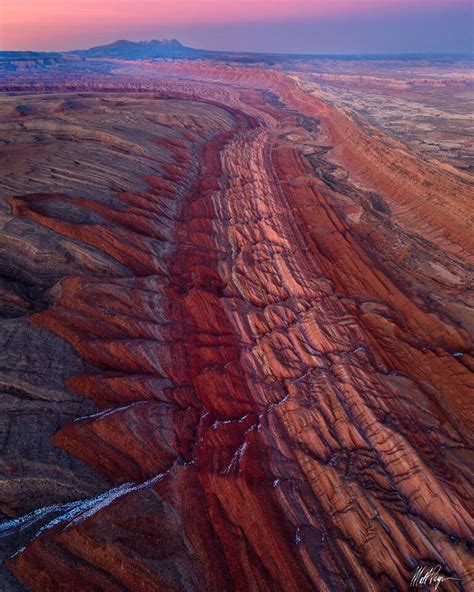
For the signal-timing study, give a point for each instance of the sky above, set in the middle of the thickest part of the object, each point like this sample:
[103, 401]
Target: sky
[308, 26]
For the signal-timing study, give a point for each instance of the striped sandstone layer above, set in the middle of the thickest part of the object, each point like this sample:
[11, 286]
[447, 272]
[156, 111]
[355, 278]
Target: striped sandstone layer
[270, 303]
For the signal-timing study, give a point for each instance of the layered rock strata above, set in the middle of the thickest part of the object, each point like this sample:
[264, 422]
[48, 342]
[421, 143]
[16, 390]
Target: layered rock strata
[260, 311]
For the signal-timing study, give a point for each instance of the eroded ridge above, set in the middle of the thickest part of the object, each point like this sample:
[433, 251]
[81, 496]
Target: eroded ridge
[277, 353]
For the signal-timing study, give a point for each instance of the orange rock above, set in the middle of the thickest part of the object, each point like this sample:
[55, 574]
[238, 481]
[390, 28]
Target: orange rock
[277, 363]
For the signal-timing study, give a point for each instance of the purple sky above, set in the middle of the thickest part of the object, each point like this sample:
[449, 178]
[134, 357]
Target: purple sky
[312, 26]
[450, 29]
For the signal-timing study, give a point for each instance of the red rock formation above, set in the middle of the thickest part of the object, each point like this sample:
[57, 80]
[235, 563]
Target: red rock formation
[278, 355]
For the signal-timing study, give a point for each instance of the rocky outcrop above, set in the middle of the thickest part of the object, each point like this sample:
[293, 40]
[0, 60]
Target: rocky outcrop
[269, 338]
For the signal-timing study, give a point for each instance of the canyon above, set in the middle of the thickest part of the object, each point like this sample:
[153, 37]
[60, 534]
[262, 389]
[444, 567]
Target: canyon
[236, 327]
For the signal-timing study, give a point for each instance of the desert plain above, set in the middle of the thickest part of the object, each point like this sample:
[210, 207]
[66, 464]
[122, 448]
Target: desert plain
[236, 323]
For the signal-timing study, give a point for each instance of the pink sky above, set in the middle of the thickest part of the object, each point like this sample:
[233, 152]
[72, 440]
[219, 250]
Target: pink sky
[72, 24]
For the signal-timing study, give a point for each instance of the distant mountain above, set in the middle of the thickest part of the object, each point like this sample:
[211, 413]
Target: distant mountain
[121, 49]
[136, 50]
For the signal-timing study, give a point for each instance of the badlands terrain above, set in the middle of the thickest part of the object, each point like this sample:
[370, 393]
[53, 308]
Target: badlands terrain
[427, 103]
[235, 324]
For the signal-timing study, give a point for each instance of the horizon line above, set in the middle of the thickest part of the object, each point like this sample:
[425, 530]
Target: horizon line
[263, 53]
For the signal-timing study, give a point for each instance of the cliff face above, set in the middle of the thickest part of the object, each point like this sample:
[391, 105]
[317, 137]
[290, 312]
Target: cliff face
[264, 323]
